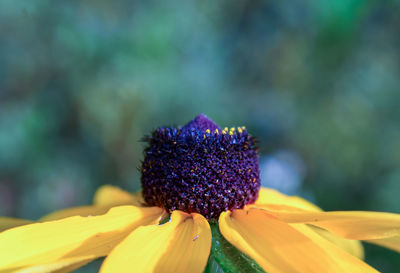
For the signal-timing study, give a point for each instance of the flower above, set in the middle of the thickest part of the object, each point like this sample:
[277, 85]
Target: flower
[199, 174]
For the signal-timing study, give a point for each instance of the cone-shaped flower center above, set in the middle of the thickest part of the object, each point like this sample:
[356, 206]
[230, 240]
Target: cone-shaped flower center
[200, 168]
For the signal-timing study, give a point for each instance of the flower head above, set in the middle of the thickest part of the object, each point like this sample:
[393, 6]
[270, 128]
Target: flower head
[192, 174]
[200, 168]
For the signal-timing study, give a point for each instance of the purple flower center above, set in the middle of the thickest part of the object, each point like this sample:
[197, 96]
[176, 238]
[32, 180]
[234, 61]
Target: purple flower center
[200, 168]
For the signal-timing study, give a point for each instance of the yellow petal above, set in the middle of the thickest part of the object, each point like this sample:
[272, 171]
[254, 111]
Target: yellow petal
[270, 196]
[47, 242]
[108, 195]
[279, 248]
[272, 199]
[353, 247]
[181, 245]
[75, 211]
[60, 266]
[348, 262]
[73, 267]
[356, 225]
[105, 198]
[8, 222]
[393, 243]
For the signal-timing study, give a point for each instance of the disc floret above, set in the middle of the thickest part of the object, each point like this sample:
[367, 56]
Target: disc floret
[200, 168]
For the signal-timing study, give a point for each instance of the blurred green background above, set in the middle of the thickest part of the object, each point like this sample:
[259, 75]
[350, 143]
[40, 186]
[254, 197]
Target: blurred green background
[317, 81]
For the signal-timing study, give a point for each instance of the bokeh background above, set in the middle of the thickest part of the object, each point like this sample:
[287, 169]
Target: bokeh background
[317, 81]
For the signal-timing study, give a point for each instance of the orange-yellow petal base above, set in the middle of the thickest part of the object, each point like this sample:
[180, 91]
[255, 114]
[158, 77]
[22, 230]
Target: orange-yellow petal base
[181, 245]
[279, 247]
[73, 237]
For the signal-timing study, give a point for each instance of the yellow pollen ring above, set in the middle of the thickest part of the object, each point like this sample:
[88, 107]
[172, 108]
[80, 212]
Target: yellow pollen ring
[208, 131]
